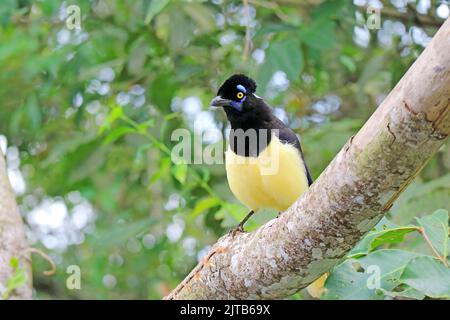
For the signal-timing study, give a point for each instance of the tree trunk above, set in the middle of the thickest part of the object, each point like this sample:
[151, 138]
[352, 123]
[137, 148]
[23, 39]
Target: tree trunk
[13, 243]
[353, 193]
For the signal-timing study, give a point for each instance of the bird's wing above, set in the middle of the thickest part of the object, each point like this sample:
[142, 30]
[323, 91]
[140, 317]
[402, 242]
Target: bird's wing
[285, 134]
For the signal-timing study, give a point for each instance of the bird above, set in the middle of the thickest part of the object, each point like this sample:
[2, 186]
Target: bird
[264, 162]
[269, 171]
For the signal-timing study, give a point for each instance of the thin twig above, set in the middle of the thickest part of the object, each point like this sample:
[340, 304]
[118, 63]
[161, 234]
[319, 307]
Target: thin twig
[248, 38]
[430, 244]
[45, 257]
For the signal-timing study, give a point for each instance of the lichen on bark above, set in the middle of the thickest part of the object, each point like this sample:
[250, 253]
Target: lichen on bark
[13, 243]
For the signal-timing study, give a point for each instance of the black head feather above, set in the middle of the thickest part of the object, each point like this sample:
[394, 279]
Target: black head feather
[228, 89]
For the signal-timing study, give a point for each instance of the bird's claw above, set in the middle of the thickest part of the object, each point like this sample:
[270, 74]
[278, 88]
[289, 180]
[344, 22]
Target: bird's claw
[238, 229]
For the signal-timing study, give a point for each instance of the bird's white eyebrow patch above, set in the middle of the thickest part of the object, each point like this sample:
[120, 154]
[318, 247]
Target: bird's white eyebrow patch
[240, 87]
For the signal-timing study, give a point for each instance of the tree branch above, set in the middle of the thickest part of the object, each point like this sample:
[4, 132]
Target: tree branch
[347, 200]
[412, 16]
[13, 243]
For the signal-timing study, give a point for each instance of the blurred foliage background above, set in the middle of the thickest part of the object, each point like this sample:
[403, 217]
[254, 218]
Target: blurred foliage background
[86, 118]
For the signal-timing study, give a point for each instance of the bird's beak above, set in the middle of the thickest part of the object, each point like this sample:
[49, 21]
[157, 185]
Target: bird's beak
[220, 102]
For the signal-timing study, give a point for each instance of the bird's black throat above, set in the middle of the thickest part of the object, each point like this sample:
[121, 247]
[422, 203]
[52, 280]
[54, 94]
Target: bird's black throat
[251, 131]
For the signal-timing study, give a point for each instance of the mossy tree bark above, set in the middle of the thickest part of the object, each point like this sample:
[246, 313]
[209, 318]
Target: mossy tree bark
[354, 192]
[13, 243]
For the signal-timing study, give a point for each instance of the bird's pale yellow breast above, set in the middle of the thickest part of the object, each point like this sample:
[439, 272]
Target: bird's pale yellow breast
[274, 179]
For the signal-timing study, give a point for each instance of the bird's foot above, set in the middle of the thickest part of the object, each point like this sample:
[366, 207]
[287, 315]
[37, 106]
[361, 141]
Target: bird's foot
[240, 226]
[235, 231]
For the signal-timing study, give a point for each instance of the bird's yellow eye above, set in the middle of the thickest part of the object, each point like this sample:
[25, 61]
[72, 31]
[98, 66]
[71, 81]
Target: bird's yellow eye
[240, 95]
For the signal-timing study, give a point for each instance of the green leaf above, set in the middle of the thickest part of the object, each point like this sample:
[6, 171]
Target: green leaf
[33, 112]
[329, 9]
[429, 276]
[117, 133]
[395, 235]
[137, 56]
[179, 172]
[21, 44]
[142, 127]
[273, 28]
[14, 263]
[88, 165]
[141, 151]
[265, 73]
[115, 114]
[181, 30]
[201, 15]
[164, 167]
[17, 279]
[203, 205]
[68, 146]
[348, 63]
[284, 55]
[162, 90]
[385, 233]
[155, 7]
[349, 280]
[319, 35]
[435, 227]
[345, 283]
[391, 263]
[408, 292]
